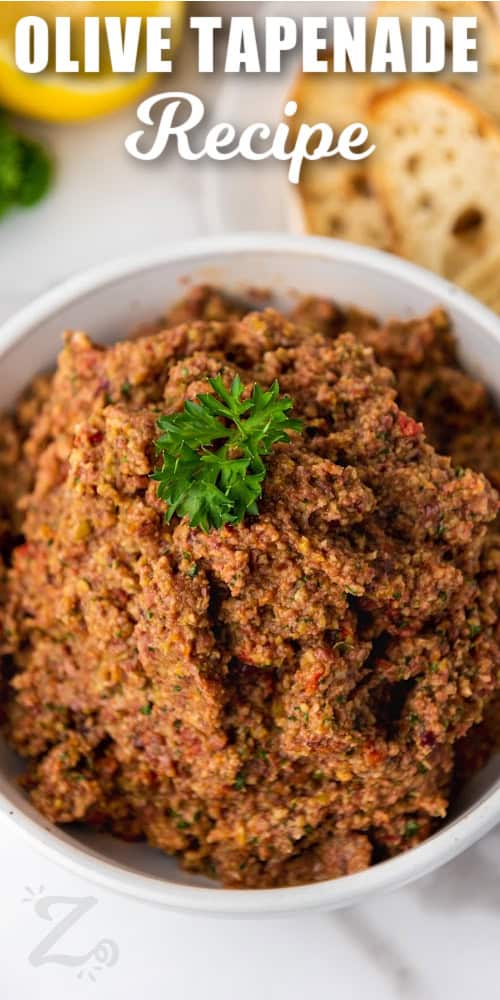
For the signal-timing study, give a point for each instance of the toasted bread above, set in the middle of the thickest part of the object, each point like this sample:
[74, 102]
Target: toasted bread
[482, 279]
[435, 173]
[482, 87]
[335, 197]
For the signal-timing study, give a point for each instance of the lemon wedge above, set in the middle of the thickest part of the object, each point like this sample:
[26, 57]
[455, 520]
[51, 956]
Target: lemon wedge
[74, 97]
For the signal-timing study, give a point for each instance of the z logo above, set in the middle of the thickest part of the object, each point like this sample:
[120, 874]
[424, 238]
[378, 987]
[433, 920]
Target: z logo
[104, 954]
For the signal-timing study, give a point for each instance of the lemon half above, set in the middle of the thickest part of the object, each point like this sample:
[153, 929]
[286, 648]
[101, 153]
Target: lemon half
[65, 97]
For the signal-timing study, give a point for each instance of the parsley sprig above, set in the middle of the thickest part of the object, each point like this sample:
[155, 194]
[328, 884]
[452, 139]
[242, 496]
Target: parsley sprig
[212, 451]
[25, 169]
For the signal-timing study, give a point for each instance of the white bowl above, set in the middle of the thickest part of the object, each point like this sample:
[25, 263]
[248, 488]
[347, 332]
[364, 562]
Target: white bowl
[108, 302]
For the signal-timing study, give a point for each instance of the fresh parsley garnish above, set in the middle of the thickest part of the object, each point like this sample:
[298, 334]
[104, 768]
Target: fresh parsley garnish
[212, 450]
[25, 168]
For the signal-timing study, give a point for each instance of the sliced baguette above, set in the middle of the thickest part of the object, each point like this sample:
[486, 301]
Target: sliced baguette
[482, 87]
[335, 197]
[482, 279]
[435, 171]
[337, 200]
[336, 98]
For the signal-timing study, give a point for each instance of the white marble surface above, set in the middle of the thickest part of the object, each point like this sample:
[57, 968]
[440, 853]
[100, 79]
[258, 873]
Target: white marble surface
[435, 939]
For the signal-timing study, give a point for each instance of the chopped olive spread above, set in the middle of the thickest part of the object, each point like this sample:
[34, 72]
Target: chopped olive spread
[285, 691]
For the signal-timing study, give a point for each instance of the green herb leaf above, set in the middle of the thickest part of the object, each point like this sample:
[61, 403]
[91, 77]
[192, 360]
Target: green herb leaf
[411, 828]
[36, 172]
[25, 169]
[212, 471]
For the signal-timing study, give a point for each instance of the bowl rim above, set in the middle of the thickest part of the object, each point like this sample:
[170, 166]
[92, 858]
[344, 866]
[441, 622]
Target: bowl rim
[444, 845]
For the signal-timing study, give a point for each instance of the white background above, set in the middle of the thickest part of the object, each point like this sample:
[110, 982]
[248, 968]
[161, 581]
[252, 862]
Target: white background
[436, 939]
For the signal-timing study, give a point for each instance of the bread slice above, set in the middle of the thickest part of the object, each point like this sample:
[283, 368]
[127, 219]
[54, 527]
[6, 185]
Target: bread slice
[482, 87]
[335, 197]
[482, 279]
[436, 172]
[336, 98]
